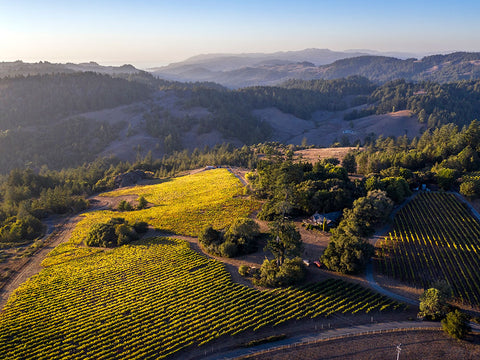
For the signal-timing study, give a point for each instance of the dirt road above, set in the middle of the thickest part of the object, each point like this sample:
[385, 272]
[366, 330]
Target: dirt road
[33, 265]
[58, 231]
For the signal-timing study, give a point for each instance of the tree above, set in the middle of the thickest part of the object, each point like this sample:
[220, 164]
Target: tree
[367, 212]
[228, 249]
[446, 178]
[210, 236]
[142, 203]
[124, 205]
[469, 189]
[284, 241]
[304, 142]
[292, 271]
[140, 227]
[472, 135]
[101, 235]
[240, 238]
[456, 324]
[348, 251]
[243, 232]
[115, 232]
[433, 304]
[125, 234]
[244, 270]
[349, 163]
[347, 254]
[397, 188]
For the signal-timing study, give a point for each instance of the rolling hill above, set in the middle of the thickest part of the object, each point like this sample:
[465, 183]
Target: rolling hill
[240, 71]
[20, 68]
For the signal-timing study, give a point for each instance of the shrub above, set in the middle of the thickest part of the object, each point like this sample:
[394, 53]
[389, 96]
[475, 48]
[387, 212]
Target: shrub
[115, 232]
[456, 324]
[244, 270]
[124, 205]
[140, 227]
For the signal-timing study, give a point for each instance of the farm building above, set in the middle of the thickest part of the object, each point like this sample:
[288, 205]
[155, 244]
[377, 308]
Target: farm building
[317, 219]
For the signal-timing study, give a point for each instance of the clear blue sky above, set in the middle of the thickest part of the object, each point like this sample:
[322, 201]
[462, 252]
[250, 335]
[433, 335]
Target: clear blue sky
[148, 33]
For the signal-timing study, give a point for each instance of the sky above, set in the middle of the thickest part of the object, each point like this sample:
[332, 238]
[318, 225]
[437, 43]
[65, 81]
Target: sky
[155, 33]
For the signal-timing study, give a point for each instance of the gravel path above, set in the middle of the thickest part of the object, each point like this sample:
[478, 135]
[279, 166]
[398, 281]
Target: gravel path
[238, 175]
[379, 234]
[374, 285]
[463, 200]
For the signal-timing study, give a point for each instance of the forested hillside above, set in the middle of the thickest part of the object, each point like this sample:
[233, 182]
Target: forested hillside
[438, 68]
[41, 99]
[41, 111]
[435, 104]
[40, 126]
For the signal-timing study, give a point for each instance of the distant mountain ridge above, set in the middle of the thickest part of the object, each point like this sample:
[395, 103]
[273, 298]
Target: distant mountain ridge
[20, 68]
[236, 71]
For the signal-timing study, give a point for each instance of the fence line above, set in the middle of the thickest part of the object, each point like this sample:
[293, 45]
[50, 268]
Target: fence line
[337, 337]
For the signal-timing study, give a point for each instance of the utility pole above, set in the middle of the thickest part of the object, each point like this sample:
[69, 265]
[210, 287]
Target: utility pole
[399, 348]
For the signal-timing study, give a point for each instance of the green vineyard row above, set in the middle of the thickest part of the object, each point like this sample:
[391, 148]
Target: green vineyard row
[434, 238]
[151, 299]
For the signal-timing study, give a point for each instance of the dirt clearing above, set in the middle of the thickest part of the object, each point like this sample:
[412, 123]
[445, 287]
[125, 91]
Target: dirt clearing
[422, 344]
[314, 155]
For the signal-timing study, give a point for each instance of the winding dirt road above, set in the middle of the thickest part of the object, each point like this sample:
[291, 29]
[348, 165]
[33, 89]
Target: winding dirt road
[58, 231]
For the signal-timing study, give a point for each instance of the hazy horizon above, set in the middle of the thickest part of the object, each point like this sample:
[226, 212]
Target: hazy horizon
[155, 33]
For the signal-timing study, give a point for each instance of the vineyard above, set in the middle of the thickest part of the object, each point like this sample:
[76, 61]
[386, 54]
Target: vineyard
[473, 176]
[434, 238]
[149, 300]
[183, 205]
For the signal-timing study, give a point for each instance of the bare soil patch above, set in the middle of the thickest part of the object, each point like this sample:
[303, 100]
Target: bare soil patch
[113, 202]
[315, 155]
[415, 344]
